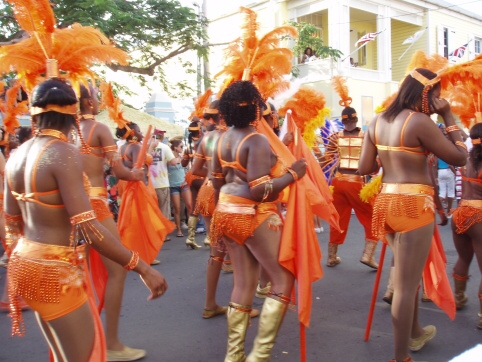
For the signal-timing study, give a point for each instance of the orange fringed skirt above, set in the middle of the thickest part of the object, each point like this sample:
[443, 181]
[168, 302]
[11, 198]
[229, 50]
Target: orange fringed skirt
[99, 201]
[467, 214]
[205, 200]
[236, 217]
[401, 208]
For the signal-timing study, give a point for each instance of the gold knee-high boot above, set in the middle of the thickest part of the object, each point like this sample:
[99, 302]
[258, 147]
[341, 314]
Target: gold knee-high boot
[270, 320]
[460, 283]
[368, 254]
[238, 322]
[191, 232]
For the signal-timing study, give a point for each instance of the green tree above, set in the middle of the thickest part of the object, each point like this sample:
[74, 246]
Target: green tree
[307, 38]
[152, 31]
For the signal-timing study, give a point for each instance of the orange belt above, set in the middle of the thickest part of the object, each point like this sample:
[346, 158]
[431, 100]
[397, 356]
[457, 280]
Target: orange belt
[388, 188]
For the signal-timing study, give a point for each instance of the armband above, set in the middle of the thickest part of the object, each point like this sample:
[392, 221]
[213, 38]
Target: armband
[198, 155]
[133, 262]
[259, 181]
[268, 189]
[461, 144]
[81, 225]
[452, 128]
[111, 148]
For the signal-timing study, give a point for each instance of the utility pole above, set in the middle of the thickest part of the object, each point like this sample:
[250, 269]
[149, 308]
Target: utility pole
[198, 70]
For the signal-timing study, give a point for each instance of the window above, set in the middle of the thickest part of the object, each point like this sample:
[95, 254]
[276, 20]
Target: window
[477, 45]
[446, 42]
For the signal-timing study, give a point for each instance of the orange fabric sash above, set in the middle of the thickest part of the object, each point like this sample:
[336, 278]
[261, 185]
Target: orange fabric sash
[142, 226]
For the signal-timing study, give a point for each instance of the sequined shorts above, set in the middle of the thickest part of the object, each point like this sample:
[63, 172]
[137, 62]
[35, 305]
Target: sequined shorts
[467, 214]
[402, 208]
[236, 217]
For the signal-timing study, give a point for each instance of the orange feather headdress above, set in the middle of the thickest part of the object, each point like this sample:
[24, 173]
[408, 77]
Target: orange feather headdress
[308, 111]
[201, 103]
[113, 106]
[11, 109]
[260, 60]
[460, 83]
[49, 49]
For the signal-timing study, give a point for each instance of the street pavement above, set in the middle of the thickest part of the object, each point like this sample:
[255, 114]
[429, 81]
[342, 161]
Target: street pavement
[171, 328]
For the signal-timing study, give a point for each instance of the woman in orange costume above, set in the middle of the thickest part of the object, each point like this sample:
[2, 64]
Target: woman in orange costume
[48, 220]
[247, 217]
[142, 226]
[402, 136]
[467, 221]
[102, 149]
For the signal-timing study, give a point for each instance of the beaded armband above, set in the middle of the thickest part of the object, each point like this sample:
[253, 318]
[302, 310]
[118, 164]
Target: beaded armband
[82, 226]
[259, 181]
[13, 231]
[133, 262]
[217, 174]
[461, 144]
[452, 128]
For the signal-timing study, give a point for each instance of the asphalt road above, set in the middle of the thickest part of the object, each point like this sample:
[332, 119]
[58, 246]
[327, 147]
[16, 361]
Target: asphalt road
[171, 328]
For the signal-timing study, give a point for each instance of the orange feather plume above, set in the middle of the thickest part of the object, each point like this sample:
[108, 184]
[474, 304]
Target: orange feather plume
[267, 61]
[11, 109]
[201, 103]
[339, 84]
[112, 104]
[76, 48]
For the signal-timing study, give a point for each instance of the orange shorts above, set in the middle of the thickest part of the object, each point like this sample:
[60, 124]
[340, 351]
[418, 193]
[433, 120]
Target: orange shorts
[236, 217]
[100, 203]
[467, 214]
[50, 278]
[402, 208]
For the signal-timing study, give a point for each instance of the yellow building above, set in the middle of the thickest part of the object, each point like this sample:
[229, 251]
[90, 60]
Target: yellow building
[380, 65]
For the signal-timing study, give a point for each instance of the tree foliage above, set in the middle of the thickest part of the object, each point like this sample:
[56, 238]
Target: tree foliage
[307, 38]
[152, 31]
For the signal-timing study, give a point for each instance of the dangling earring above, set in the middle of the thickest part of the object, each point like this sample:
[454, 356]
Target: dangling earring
[134, 138]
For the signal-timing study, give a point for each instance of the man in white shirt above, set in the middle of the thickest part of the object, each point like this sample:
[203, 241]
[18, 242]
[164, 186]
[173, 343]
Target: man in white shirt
[162, 156]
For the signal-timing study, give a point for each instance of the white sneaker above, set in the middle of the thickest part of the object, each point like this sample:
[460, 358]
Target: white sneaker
[317, 230]
[200, 231]
[184, 226]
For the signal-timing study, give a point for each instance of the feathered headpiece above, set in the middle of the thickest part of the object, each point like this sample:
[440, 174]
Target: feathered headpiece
[261, 61]
[455, 80]
[113, 106]
[386, 103]
[339, 84]
[48, 49]
[308, 111]
[11, 109]
[201, 103]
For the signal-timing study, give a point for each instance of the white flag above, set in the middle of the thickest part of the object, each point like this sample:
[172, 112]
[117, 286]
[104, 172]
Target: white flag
[367, 38]
[413, 38]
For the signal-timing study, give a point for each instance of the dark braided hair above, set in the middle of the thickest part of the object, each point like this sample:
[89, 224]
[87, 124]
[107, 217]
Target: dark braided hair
[53, 92]
[409, 94]
[476, 151]
[240, 104]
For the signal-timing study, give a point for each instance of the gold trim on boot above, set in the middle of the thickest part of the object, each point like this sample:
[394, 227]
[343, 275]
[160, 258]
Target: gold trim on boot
[270, 321]
[388, 296]
[460, 283]
[191, 232]
[368, 253]
[332, 258]
[238, 317]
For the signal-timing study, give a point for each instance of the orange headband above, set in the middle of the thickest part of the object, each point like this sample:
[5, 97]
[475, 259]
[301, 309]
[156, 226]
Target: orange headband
[194, 128]
[476, 141]
[267, 110]
[345, 116]
[422, 79]
[70, 109]
[211, 111]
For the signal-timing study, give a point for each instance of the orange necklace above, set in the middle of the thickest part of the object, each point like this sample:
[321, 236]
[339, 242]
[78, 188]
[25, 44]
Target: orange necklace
[52, 133]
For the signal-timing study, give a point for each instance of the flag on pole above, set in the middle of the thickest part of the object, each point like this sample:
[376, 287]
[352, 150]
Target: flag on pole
[413, 38]
[367, 38]
[459, 52]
